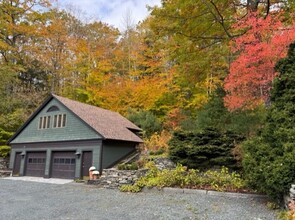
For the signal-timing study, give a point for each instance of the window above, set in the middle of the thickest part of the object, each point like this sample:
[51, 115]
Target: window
[62, 161]
[59, 121]
[36, 160]
[64, 118]
[48, 121]
[53, 109]
[55, 121]
[44, 122]
[40, 122]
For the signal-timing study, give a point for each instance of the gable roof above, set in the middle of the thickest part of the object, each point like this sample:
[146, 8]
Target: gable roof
[109, 124]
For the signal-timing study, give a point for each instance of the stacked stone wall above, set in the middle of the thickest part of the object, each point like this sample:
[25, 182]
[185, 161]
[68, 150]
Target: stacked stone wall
[113, 178]
[4, 163]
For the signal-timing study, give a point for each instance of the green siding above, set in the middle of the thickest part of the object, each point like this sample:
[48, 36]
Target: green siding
[114, 151]
[79, 146]
[75, 129]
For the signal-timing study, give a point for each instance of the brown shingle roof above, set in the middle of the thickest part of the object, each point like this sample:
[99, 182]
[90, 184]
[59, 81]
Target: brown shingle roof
[111, 125]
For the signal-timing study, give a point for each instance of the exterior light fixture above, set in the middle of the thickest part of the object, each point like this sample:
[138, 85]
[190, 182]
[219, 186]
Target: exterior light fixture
[78, 154]
[23, 154]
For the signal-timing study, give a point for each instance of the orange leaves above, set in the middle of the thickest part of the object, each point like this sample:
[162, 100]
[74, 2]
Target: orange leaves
[121, 93]
[251, 74]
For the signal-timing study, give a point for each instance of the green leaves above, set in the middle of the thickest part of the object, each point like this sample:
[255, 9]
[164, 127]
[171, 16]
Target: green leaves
[205, 149]
[4, 151]
[146, 120]
[221, 180]
[269, 160]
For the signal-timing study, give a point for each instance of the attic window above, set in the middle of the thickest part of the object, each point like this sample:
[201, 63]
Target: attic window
[59, 121]
[44, 122]
[53, 109]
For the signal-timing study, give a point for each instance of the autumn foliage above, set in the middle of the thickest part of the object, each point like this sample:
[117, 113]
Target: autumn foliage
[264, 42]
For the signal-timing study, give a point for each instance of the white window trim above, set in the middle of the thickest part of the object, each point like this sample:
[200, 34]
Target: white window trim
[44, 122]
[59, 119]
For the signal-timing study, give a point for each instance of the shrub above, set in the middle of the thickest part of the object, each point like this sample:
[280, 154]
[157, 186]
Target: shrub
[4, 136]
[269, 169]
[146, 120]
[204, 149]
[179, 177]
[4, 151]
[157, 141]
[128, 166]
[291, 212]
[130, 188]
[157, 152]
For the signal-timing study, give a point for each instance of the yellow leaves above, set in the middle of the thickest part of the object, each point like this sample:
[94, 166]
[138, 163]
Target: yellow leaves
[198, 101]
[121, 93]
[158, 141]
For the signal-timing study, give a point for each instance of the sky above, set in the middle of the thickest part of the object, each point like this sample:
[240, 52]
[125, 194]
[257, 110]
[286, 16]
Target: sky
[112, 12]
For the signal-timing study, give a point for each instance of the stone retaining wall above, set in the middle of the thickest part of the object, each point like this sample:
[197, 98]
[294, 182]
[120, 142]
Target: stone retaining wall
[5, 173]
[113, 178]
[4, 163]
[164, 163]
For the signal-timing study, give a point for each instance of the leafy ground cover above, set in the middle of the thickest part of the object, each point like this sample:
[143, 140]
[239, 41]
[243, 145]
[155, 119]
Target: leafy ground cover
[218, 180]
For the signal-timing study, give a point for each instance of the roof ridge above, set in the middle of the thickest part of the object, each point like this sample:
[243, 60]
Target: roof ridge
[83, 103]
[109, 124]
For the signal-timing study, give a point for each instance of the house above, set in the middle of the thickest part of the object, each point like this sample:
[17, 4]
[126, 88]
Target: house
[64, 138]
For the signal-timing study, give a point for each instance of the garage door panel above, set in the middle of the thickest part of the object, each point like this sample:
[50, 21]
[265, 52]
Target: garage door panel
[35, 164]
[63, 165]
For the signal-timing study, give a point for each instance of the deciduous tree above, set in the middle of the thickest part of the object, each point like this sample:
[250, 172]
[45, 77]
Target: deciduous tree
[252, 72]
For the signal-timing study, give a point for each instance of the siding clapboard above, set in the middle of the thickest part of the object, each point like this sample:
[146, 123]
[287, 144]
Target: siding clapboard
[75, 129]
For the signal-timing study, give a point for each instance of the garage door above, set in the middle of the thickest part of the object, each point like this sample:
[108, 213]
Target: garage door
[63, 165]
[35, 164]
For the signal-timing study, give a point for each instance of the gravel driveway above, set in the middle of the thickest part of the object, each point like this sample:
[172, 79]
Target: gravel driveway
[31, 200]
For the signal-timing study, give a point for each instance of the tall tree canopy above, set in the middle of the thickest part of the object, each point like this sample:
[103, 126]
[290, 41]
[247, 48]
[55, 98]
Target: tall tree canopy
[264, 42]
[170, 64]
[21, 76]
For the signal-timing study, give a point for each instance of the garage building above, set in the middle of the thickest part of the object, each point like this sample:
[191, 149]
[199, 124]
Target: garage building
[63, 138]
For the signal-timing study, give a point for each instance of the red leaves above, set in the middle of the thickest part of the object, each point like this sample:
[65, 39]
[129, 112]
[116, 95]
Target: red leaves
[251, 74]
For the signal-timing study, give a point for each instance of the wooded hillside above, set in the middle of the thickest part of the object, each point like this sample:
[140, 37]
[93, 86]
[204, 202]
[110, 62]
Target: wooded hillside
[168, 66]
[198, 73]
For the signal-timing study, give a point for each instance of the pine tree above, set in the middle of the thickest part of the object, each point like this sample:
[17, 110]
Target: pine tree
[269, 160]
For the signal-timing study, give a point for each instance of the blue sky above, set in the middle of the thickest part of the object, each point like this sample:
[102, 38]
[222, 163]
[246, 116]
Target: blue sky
[112, 11]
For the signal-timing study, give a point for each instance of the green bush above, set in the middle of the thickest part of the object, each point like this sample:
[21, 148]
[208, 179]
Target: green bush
[146, 120]
[4, 151]
[204, 149]
[157, 152]
[128, 166]
[4, 136]
[179, 177]
[130, 188]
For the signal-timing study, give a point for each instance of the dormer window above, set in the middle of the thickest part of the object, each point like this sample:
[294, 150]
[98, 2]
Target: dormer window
[53, 109]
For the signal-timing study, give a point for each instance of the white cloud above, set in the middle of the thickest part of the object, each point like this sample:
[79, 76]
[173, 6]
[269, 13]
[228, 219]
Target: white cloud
[113, 12]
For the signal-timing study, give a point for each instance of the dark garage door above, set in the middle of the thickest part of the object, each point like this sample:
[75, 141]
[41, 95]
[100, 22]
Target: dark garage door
[35, 164]
[63, 165]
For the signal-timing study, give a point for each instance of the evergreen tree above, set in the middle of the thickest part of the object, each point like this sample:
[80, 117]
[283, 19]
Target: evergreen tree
[269, 159]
